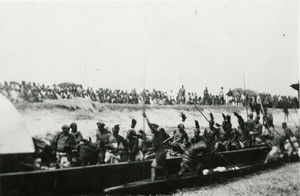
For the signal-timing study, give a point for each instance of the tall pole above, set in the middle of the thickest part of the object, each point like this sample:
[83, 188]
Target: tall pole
[201, 113]
[144, 110]
[144, 100]
[245, 95]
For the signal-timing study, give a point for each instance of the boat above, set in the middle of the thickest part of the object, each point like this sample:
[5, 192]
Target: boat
[95, 178]
[168, 186]
[19, 177]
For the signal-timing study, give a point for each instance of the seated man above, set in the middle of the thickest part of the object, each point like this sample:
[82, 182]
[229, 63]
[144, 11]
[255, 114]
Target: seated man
[116, 144]
[211, 133]
[242, 134]
[63, 144]
[77, 134]
[256, 133]
[221, 139]
[197, 137]
[227, 126]
[102, 138]
[79, 140]
[132, 142]
[180, 138]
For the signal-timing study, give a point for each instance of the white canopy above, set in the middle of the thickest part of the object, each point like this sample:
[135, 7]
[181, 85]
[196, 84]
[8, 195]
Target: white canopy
[14, 136]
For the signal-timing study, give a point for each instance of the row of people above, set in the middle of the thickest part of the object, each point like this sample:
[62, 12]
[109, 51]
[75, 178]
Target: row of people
[32, 92]
[110, 147]
[71, 149]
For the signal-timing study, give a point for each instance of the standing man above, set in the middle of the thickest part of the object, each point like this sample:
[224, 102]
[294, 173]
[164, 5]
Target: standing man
[286, 112]
[205, 96]
[221, 96]
[159, 149]
[268, 123]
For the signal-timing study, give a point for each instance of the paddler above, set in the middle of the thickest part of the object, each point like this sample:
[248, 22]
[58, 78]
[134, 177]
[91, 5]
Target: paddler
[115, 145]
[63, 144]
[290, 141]
[102, 138]
[159, 149]
[132, 142]
[190, 161]
[197, 137]
[77, 134]
[180, 138]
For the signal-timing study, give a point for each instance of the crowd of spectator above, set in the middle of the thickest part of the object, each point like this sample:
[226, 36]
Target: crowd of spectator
[34, 92]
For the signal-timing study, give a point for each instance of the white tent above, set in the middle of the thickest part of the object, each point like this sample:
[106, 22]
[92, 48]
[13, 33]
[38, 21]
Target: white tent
[14, 136]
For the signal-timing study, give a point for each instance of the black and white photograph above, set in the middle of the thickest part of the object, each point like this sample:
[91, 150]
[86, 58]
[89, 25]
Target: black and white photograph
[149, 97]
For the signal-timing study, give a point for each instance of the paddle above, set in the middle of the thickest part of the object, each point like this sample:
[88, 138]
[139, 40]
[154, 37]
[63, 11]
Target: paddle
[201, 112]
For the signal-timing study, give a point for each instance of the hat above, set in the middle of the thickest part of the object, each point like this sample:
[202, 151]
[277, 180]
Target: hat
[73, 125]
[180, 126]
[100, 124]
[65, 127]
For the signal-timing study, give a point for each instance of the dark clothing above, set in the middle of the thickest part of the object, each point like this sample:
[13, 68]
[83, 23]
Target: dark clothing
[268, 120]
[63, 143]
[160, 159]
[133, 147]
[210, 135]
[120, 140]
[288, 133]
[159, 149]
[158, 141]
[102, 138]
[258, 129]
[165, 136]
[78, 137]
[189, 158]
[250, 124]
[230, 93]
[197, 139]
[227, 127]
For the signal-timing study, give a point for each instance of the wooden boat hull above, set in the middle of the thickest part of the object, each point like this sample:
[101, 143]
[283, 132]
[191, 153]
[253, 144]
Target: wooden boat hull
[93, 179]
[164, 186]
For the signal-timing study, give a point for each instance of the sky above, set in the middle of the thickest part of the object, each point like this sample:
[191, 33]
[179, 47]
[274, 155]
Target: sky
[152, 44]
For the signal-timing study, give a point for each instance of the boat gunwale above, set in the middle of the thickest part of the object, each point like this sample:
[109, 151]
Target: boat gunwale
[120, 164]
